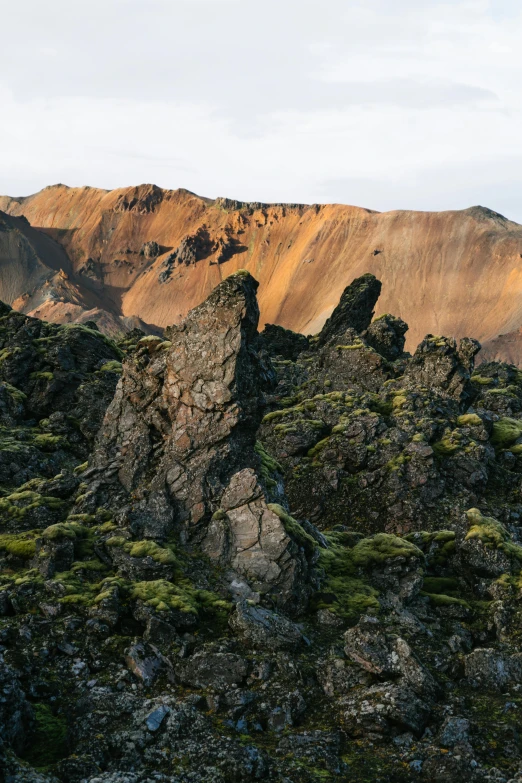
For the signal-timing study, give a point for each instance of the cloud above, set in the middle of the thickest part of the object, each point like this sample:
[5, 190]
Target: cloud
[283, 101]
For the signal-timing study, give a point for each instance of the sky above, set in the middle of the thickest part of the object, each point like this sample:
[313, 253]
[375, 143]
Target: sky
[410, 104]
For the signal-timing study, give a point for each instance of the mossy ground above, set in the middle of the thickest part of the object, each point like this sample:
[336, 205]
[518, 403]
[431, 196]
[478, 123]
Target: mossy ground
[49, 743]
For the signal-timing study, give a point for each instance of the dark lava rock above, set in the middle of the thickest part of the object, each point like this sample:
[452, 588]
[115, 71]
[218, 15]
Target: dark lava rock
[278, 341]
[355, 309]
[386, 336]
[288, 559]
[263, 628]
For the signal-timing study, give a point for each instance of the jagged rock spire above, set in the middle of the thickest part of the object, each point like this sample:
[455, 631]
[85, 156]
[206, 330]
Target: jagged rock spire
[355, 308]
[181, 433]
[185, 413]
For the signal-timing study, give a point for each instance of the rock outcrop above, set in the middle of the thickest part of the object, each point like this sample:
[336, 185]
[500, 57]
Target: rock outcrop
[182, 432]
[285, 559]
[354, 311]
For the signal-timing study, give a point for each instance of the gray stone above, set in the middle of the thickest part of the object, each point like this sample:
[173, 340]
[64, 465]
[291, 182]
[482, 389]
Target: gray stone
[144, 662]
[156, 718]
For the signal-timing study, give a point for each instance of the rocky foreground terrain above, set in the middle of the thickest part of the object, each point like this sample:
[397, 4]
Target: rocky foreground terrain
[153, 254]
[228, 556]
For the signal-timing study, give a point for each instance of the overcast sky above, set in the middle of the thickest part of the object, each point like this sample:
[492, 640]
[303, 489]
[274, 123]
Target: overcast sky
[406, 104]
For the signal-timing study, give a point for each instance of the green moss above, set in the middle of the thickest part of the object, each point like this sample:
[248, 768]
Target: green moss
[469, 420]
[347, 595]
[149, 339]
[146, 548]
[93, 333]
[439, 599]
[18, 504]
[219, 514]
[44, 376]
[63, 530]
[486, 529]
[288, 402]
[19, 545]
[447, 445]
[397, 462]
[314, 451]
[383, 546]
[49, 741]
[163, 595]
[81, 518]
[502, 392]
[480, 380]
[269, 465]
[116, 541]
[15, 393]
[112, 366]
[380, 406]
[399, 401]
[82, 467]
[439, 584]
[92, 566]
[355, 347]
[151, 549]
[277, 415]
[438, 555]
[506, 431]
[106, 527]
[344, 563]
[492, 533]
[32, 576]
[293, 528]
[48, 442]
[444, 536]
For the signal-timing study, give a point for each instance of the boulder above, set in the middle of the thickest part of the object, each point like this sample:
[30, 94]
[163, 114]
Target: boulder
[387, 656]
[262, 628]
[216, 670]
[145, 662]
[440, 365]
[383, 709]
[386, 336]
[253, 538]
[150, 250]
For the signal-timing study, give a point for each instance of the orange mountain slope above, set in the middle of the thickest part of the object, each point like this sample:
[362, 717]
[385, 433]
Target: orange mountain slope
[454, 273]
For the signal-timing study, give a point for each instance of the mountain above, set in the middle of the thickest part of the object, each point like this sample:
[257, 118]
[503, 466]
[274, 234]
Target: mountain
[153, 253]
[37, 278]
[233, 556]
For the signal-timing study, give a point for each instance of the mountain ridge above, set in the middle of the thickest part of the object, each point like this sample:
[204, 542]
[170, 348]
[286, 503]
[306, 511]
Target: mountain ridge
[152, 253]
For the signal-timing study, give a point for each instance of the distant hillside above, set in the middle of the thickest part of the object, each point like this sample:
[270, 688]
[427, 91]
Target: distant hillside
[153, 253]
